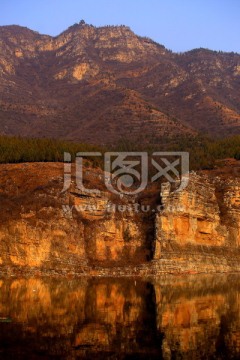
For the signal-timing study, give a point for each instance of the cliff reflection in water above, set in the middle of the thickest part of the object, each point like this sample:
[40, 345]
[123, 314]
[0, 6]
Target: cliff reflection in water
[194, 317]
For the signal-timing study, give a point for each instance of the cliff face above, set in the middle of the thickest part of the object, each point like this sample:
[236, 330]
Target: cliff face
[86, 76]
[204, 214]
[199, 228]
[45, 230]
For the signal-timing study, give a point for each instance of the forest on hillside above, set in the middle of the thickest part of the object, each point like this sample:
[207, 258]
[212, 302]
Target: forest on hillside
[203, 151]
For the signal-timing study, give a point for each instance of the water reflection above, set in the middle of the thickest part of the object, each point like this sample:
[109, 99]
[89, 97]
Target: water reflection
[194, 317]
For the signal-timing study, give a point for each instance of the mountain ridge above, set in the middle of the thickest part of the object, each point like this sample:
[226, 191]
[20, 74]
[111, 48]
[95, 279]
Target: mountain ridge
[197, 49]
[101, 84]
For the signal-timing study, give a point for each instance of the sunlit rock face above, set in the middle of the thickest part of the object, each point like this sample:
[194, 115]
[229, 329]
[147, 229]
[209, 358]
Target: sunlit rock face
[204, 215]
[38, 234]
[45, 230]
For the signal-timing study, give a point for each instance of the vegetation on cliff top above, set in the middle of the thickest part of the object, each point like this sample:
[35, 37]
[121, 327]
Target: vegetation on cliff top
[203, 151]
[17, 150]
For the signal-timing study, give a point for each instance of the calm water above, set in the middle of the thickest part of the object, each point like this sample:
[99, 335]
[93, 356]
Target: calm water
[194, 317]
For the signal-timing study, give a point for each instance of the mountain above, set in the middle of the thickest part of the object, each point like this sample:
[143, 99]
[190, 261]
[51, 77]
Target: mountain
[103, 84]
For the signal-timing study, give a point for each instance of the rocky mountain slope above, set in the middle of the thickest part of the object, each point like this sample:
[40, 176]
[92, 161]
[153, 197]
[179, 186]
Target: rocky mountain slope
[102, 84]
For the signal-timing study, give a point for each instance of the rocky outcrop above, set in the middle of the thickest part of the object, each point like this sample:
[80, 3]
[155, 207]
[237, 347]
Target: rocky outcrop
[46, 230]
[198, 228]
[204, 214]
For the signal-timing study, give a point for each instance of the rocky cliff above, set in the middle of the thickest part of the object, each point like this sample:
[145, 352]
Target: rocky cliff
[47, 231]
[100, 84]
[199, 227]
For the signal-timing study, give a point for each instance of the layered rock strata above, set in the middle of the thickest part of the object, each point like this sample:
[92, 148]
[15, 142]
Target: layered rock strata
[47, 231]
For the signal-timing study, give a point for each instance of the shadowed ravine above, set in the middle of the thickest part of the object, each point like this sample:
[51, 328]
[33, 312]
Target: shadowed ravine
[90, 318]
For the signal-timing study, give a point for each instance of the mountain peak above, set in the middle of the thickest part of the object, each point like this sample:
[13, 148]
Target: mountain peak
[83, 25]
[92, 83]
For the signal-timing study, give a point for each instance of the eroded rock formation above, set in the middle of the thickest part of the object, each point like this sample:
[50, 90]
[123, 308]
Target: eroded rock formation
[46, 230]
[206, 213]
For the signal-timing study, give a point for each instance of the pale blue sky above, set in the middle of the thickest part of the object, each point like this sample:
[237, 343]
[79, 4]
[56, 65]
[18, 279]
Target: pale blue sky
[177, 24]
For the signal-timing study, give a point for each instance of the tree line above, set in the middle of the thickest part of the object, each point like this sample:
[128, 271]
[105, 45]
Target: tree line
[203, 151]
